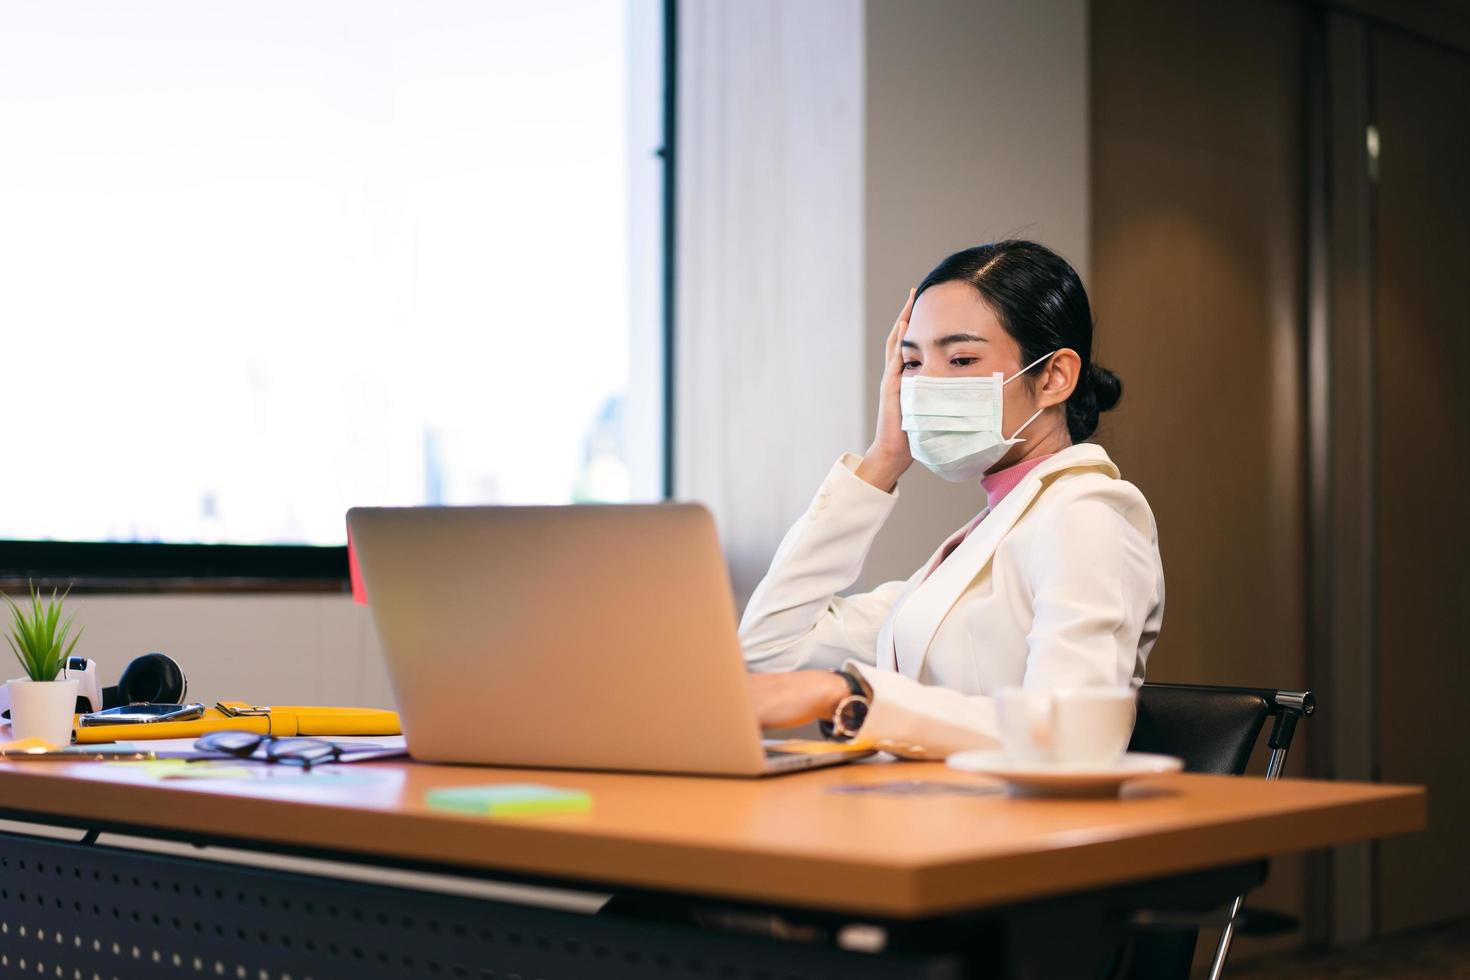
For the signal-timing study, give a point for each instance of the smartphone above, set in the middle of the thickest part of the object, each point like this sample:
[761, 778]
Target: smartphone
[141, 714]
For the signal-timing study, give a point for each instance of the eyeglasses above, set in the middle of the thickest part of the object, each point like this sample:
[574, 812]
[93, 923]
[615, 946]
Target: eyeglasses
[303, 752]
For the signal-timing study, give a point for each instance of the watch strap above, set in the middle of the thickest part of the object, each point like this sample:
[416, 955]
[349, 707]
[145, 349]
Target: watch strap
[854, 685]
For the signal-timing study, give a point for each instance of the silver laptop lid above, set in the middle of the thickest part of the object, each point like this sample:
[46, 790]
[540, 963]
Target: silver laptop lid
[596, 637]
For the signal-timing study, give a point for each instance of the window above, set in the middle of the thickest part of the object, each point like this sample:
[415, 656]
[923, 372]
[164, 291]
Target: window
[261, 262]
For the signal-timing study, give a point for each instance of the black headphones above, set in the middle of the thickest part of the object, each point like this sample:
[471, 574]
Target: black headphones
[152, 677]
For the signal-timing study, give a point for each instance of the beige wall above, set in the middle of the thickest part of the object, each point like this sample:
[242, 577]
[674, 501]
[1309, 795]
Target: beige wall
[976, 129]
[268, 649]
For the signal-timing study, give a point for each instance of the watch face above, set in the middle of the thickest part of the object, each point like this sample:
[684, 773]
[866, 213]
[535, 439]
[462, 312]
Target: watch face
[851, 713]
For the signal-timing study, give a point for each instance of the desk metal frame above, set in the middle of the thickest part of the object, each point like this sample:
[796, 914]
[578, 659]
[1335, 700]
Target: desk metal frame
[89, 912]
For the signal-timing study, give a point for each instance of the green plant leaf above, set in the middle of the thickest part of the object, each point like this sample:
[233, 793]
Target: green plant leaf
[38, 635]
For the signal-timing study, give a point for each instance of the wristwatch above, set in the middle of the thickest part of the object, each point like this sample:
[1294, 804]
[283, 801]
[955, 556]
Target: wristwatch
[852, 710]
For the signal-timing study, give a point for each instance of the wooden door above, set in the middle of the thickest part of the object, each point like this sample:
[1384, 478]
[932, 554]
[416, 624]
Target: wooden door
[1421, 110]
[1198, 130]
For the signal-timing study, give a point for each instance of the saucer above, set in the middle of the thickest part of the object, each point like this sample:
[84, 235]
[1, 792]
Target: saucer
[1057, 779]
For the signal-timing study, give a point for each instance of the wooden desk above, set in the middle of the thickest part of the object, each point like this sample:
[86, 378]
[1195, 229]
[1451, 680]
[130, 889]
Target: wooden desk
[785, 842]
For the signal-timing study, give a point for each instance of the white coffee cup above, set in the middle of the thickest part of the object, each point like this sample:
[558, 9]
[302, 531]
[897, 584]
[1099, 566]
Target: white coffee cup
[1086, 727]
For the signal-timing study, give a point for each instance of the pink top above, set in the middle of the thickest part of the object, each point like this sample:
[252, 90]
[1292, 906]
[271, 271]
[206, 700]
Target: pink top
[996, 486]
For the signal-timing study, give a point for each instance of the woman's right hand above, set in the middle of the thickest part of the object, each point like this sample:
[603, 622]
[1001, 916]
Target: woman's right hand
[888, 457]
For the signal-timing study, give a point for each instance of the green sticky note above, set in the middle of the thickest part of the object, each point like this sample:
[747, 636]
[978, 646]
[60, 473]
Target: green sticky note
[510, 800]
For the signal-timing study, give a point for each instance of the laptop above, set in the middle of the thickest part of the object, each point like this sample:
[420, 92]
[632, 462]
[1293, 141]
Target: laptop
[584, 637]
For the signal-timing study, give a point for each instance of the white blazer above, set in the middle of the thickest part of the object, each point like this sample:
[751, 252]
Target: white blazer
[1060, 586]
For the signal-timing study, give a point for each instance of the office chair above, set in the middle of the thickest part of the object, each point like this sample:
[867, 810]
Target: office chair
[1213, 729]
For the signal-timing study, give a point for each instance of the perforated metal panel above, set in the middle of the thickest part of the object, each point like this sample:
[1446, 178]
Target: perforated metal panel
[91, 913]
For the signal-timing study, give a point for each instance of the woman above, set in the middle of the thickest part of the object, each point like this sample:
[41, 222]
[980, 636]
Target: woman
[1057, 582]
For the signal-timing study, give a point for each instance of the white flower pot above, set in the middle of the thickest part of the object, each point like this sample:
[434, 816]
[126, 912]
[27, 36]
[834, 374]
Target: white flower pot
[42, 709]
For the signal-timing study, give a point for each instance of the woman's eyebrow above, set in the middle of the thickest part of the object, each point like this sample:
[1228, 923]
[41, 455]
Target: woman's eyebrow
[954, 338]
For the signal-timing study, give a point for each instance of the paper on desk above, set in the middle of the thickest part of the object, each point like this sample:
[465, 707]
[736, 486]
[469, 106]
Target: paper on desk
[916, 787]
[170, 769]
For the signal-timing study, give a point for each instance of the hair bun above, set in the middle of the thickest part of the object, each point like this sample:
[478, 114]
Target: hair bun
[1106, 388]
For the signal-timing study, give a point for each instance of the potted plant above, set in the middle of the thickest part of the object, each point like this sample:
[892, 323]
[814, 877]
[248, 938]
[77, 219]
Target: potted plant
[40, 705]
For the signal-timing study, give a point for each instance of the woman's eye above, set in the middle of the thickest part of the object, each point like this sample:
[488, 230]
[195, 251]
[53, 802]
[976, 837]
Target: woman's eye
[909, 365]
[963, 361]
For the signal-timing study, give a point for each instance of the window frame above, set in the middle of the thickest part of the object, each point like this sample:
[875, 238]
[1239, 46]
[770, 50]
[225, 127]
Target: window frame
[127, 566]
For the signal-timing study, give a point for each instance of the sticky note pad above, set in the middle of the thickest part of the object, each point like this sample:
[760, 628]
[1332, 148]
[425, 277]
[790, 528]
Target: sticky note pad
[510, 800]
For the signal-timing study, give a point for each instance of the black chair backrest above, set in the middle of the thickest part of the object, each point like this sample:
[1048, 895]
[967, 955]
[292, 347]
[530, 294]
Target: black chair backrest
[1213, 729]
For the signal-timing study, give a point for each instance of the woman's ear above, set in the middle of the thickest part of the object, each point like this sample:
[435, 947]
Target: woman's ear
[1059, 378]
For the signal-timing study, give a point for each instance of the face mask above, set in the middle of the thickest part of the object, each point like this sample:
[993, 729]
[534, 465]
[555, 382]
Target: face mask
[954, 424]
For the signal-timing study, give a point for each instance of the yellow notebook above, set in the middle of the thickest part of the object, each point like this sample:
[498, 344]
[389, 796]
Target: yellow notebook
[284, 720]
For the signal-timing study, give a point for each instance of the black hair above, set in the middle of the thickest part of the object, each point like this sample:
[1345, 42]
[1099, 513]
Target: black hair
[1038, 298]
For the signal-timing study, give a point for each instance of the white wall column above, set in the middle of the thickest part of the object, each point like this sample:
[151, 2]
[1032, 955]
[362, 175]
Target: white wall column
[768, 349]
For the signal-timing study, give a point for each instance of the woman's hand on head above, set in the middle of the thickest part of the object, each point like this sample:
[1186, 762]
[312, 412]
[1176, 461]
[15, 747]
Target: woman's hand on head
[795, 698]
[888, 457]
